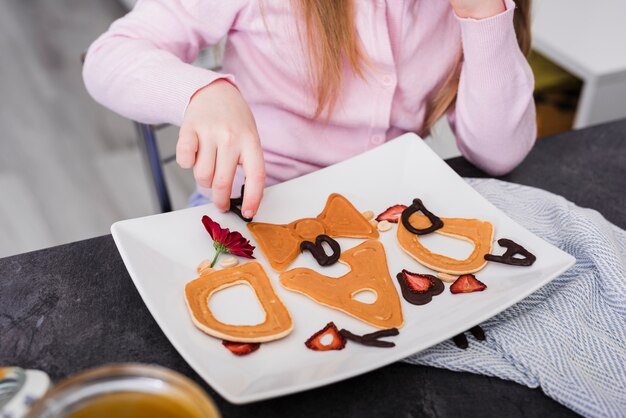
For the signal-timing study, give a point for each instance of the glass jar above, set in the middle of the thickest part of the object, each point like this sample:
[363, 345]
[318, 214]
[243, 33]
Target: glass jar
[126, 390]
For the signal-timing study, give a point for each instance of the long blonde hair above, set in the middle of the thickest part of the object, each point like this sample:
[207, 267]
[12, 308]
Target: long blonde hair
[332, 42]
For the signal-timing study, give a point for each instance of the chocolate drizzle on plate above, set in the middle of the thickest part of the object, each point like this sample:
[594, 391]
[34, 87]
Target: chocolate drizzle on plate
[372, 339]
[318, 251]
[418, 206]
[235, 206]
[512, 249]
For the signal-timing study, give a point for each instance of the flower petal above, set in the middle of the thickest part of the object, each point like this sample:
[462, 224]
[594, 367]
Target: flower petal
[208, 225]
[217, 232]
[224, 235]
[233, 239]
[242, 253]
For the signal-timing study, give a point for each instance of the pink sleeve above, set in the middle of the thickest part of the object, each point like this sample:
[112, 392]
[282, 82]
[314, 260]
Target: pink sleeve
[140, 67]
[494, 116]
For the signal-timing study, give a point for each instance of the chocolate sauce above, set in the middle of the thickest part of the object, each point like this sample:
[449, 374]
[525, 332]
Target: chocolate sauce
[372, 339]
[423, 298]
[460, 341]
[512, 249]
[235, 206]
[389, 332]
[418, 206]
[478, 333]
[318, 252]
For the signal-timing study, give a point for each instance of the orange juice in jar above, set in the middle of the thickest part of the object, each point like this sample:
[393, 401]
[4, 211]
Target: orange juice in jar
[130, 391]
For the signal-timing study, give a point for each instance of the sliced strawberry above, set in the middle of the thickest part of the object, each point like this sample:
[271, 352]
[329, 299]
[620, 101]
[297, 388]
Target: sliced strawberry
[240, 349]
[391, 214]
[419, 289]
[315, 342]
[467, 283]
[418, 283]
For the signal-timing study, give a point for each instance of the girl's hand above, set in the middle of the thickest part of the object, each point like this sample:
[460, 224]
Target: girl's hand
[218, 133]
[477, 9]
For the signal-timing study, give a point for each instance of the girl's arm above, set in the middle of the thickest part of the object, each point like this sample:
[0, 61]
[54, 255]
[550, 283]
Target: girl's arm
[494, 116]
[141, 69]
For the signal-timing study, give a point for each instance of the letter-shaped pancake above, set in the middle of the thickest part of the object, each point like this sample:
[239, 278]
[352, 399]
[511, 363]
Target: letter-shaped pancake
[369, 271]
[277, 322]
[281, 243]
[479, 233]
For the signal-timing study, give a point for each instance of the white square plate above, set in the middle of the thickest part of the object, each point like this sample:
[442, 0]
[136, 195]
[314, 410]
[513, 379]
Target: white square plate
[161, 253]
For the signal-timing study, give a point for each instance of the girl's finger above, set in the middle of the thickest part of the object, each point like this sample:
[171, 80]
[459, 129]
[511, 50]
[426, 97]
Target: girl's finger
[254, 170]
[225, 166]
[186, 148]
[204, 169]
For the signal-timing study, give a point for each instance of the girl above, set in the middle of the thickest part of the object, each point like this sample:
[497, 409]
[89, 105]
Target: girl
[308, 83]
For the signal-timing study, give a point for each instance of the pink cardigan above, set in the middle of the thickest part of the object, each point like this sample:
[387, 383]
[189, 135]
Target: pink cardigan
[141, 69]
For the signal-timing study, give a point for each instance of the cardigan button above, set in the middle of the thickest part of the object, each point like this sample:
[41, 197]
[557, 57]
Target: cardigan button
[377, 139]
[388, 80]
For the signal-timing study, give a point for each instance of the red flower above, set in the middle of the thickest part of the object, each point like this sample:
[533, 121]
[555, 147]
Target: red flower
[227, 242]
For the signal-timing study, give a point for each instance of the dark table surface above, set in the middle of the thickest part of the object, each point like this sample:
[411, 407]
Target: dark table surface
[72, 307]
